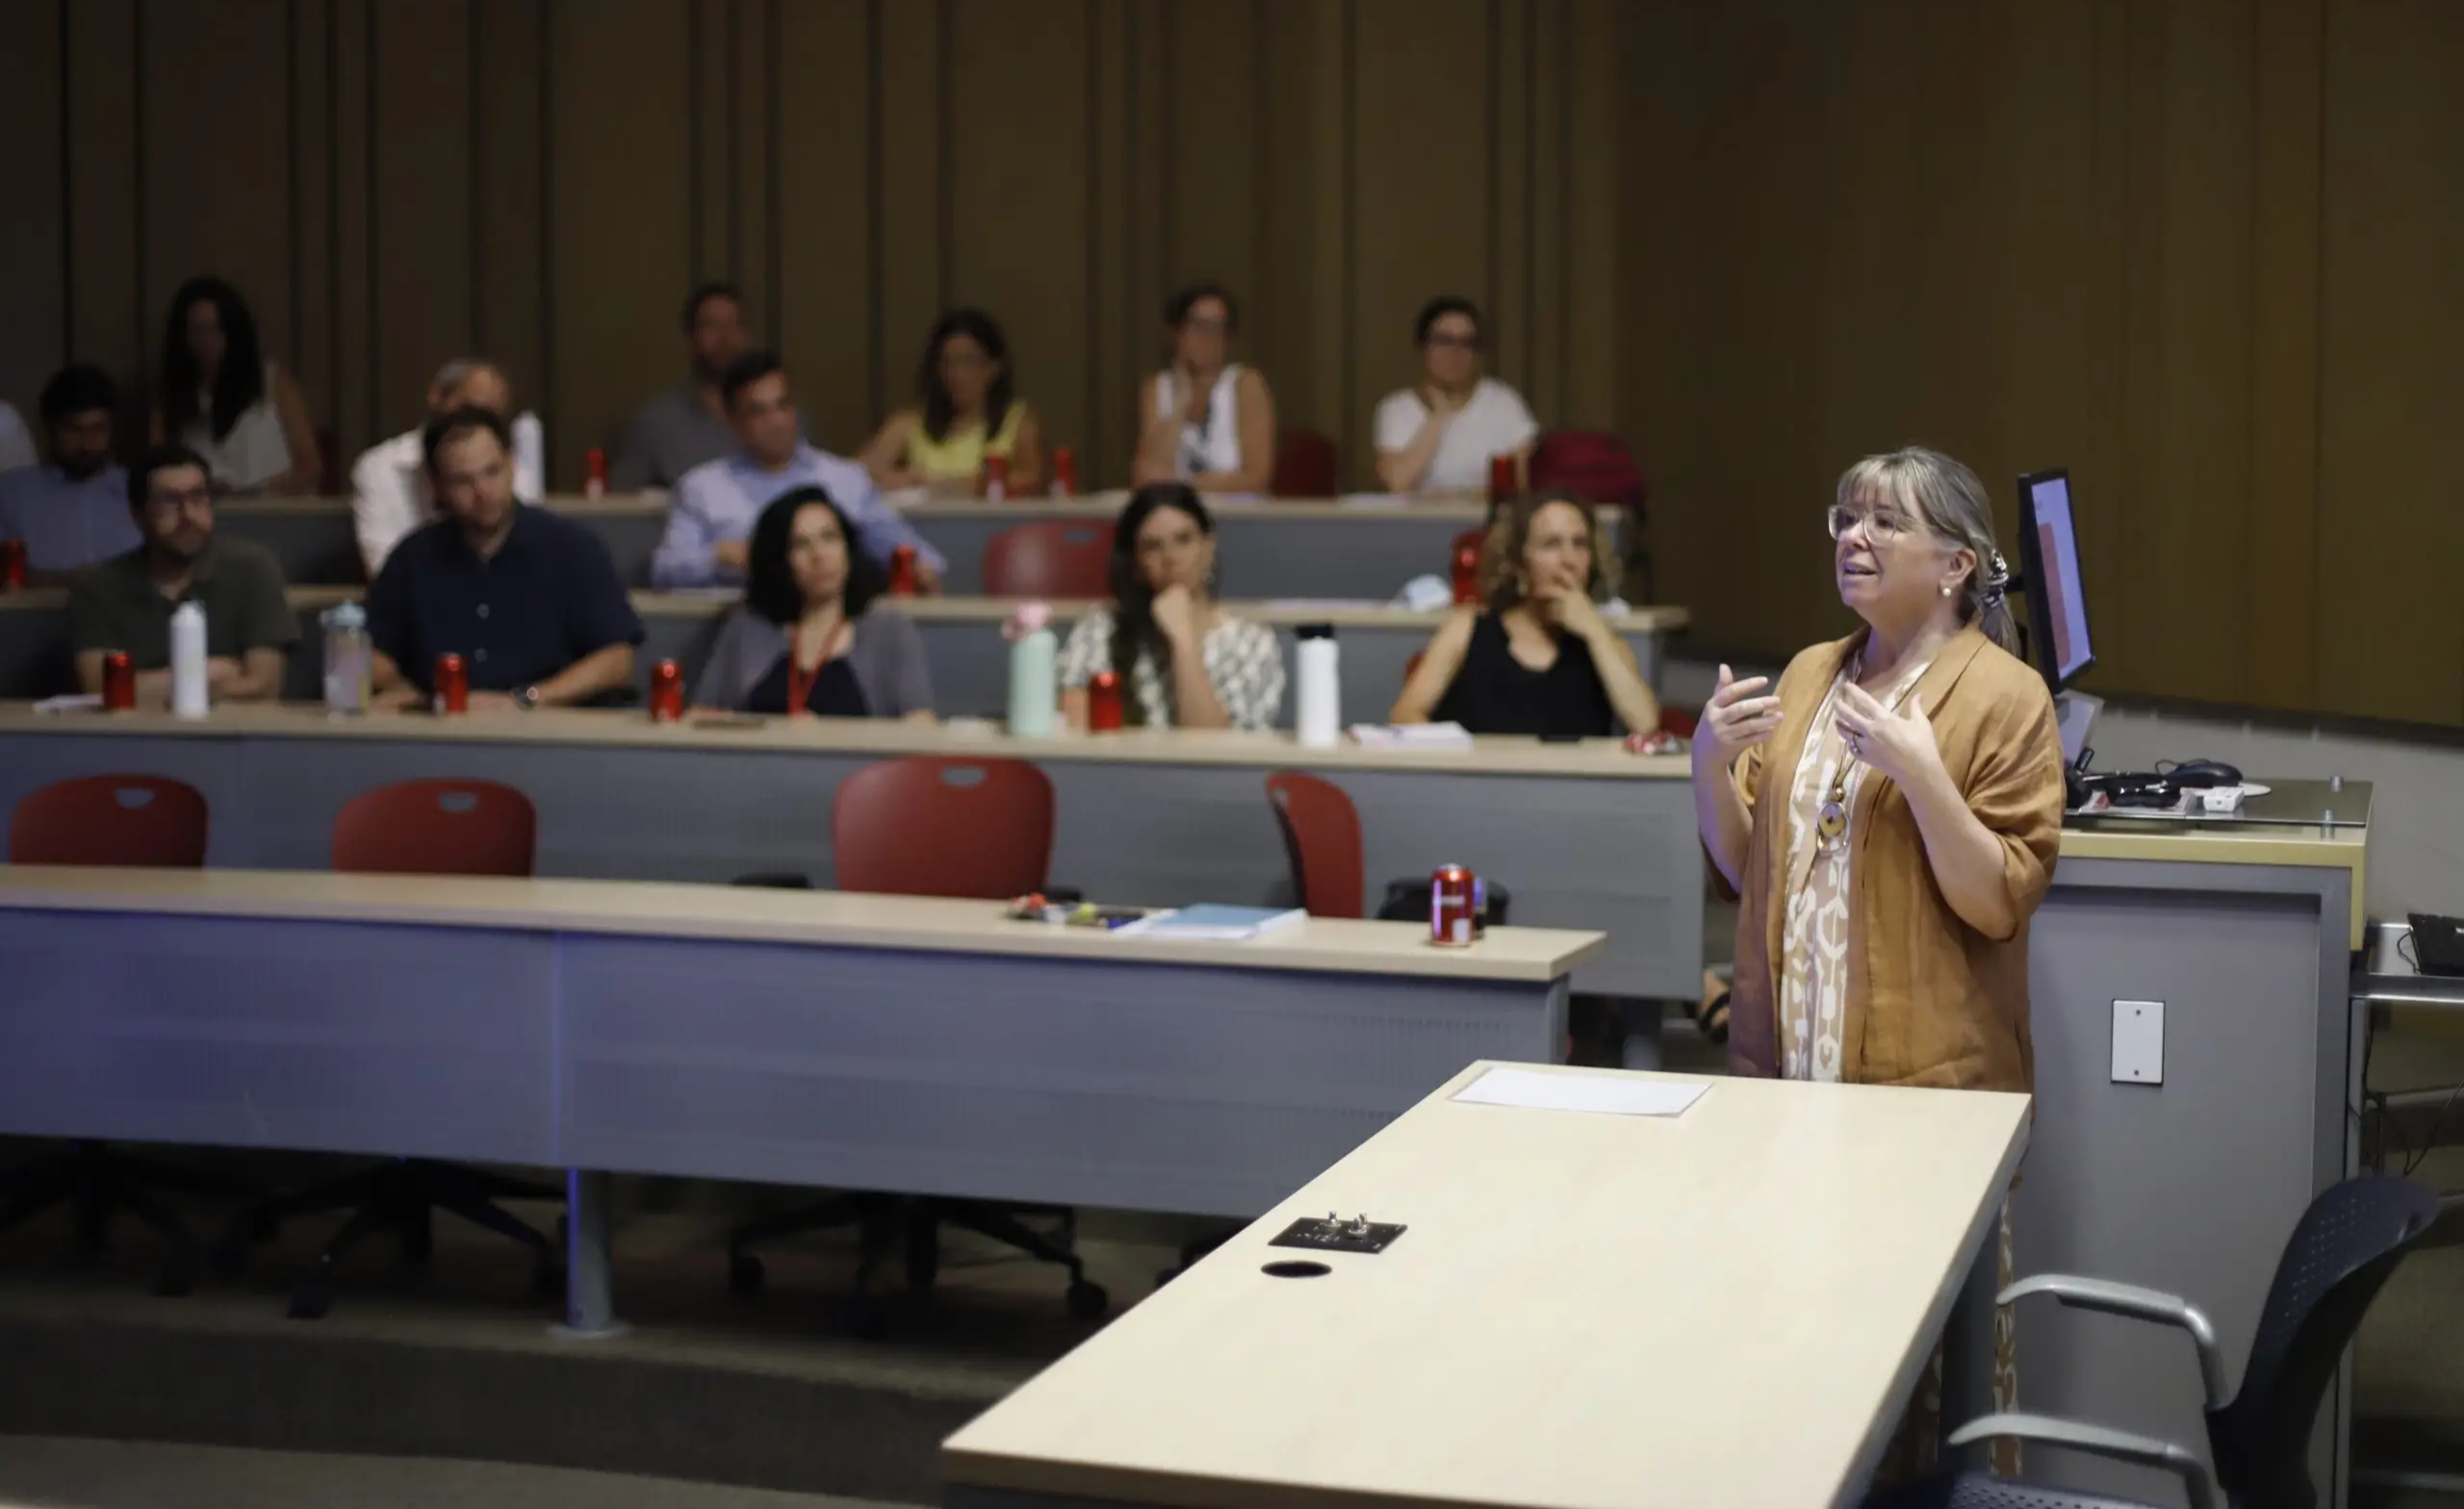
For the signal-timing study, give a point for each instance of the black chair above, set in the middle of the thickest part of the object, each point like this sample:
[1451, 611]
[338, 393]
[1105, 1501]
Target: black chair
[2346, 1243]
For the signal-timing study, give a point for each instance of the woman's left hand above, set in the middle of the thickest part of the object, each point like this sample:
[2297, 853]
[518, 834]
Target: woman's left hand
[1898, 744]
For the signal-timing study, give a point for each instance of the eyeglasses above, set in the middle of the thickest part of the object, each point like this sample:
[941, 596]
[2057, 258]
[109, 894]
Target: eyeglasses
[192, 497]
[1882, 525]
[1455, 343]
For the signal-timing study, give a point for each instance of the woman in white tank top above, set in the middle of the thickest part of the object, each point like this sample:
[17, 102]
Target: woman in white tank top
[224, 400]
[1205, 420]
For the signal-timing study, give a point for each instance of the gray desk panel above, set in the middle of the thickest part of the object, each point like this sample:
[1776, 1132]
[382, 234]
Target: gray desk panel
[332, 1036]
[2189, 1186]
[1618, 857]
[1128, 1085]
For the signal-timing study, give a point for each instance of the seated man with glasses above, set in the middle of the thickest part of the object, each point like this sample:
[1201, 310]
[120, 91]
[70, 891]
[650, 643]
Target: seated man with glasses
[1438, 436]
[126, 602]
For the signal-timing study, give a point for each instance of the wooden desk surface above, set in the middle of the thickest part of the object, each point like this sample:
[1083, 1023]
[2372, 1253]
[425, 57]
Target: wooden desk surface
[753, 914]
[1274, 613]
[1597, 758]
[1586, 1311]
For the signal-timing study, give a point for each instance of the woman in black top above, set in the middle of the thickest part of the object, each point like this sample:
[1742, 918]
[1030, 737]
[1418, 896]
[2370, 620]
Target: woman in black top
[1535, 656]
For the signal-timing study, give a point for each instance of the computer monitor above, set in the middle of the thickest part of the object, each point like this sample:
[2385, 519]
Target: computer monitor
[2058, 639]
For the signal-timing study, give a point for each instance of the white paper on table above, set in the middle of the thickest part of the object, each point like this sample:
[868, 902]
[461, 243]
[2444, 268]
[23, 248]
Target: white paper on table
[1610, 1094]
[1411, 735]
[73, 701]
[1374, 500]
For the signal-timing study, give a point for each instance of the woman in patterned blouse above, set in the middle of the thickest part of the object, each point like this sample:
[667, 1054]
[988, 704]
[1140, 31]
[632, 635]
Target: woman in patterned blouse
[1890, 816]
[1184, 661]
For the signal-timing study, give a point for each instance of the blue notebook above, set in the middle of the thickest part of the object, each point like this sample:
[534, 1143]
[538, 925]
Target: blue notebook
[1215, 924]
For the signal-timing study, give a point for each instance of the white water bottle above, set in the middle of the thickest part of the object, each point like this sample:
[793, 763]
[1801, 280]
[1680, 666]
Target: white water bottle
[1033, 692]
[188, 660]
[1321, 699]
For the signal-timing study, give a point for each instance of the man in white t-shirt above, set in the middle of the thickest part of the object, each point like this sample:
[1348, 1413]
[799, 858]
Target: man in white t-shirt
[389, 486]
[1438, 437]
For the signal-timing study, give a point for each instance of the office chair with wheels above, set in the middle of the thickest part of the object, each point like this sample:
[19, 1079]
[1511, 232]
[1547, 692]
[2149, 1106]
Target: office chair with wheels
[2342, 1251]
[1064, 558]
[932, 826]
[415, 828]
[149, 822]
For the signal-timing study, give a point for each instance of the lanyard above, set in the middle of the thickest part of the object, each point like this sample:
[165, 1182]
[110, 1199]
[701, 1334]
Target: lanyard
[800, 681]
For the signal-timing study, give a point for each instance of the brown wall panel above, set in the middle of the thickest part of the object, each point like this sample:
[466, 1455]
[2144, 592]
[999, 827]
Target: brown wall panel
[2201, 252]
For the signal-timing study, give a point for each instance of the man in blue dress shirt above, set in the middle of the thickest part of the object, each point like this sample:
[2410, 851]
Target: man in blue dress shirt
[72, 511]
[711, 520]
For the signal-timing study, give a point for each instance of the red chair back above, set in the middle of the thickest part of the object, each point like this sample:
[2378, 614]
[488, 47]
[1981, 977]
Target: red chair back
[1306, 465]
[1321, 833]
[150, 821]
[1050, 558]
[437, 828]
[935, 825]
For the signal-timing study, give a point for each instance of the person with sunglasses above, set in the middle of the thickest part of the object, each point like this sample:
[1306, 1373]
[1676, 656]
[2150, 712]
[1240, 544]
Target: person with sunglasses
[1438, 435]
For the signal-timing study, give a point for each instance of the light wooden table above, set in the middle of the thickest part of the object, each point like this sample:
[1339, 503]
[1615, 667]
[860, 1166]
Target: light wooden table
[1725, 1308]
[870, 1042]
[969, 659]
[1280, 547]
[1584, 834]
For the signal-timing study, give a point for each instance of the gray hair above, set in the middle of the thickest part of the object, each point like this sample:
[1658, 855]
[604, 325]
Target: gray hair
[1953, 503]
[453, 374]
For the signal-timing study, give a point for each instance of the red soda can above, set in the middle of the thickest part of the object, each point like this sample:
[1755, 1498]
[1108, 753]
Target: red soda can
[902, 572]
[1064, 471]
[996, 479]
[1454, 903]
[1503, 484]
[667, 692]
[452, 684]
[1467, 569]
[12, 565]
[1103, 702]
[594, 472]
[119, 681]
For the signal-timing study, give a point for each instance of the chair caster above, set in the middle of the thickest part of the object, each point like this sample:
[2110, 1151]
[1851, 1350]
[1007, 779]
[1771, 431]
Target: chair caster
[744, 1273]
[311, 1300]
[1087, 1301]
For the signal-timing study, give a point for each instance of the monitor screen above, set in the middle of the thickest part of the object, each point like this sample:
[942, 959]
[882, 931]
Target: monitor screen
[2050, 564]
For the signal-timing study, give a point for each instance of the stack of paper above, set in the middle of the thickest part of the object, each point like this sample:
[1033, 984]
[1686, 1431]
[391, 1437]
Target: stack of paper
[1411, 735]
[1214, 924]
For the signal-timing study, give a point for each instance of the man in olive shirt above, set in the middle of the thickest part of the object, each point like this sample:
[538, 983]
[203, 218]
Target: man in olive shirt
[126, 602]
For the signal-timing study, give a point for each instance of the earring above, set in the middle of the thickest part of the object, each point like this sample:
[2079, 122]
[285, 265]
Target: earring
[1946, 589]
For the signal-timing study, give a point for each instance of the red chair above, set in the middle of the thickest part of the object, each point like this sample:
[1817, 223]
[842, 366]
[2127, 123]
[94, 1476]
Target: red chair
[1065, 558]
[149, 822]
[476, 827]
[1322, 835]
[1306, 465]
[437, 828]
[932, 826]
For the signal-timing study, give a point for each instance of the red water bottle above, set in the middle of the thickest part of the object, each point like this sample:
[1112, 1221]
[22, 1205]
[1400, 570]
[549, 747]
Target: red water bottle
[594, 472]
[452, 684]
[1467, 569]
[1503, 484]
[902, 572]
[667, 692]
[995, 484]
[119, 681]
[1064, 471]
[1103, 702]
[12, 565]
[1454, 898]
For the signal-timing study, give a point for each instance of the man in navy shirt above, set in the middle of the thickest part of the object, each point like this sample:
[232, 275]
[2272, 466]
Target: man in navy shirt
[530, 602]
[72, 512]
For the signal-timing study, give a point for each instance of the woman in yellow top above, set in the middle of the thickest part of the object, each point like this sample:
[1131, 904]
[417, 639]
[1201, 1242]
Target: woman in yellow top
[966, 410]
[1890, 816]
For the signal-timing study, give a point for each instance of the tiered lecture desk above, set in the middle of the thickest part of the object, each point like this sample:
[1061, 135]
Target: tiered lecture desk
[962, 638]
[1726, 1308]
[1585, 835]
[1362, 547]
[805, 1037]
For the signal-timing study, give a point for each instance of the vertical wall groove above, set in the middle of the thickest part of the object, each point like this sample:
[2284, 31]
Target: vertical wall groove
[67, 200]
[548, 384]
[876, 250]
[137, 109]
[773, 175]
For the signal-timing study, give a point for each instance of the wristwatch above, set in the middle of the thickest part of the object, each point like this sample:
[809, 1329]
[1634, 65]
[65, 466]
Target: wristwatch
[526, 698]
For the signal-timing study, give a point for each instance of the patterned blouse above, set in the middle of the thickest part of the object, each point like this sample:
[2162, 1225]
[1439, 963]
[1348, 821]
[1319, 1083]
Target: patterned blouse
[1241, 658]
[1813, 942]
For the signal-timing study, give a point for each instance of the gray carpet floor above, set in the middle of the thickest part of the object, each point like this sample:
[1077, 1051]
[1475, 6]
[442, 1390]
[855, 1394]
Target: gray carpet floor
[50, 1472]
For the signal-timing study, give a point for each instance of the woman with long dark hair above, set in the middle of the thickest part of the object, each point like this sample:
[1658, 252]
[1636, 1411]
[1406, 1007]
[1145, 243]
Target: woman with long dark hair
[967, 409]
[811, 636]
[1184, 662]
[221, 395]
